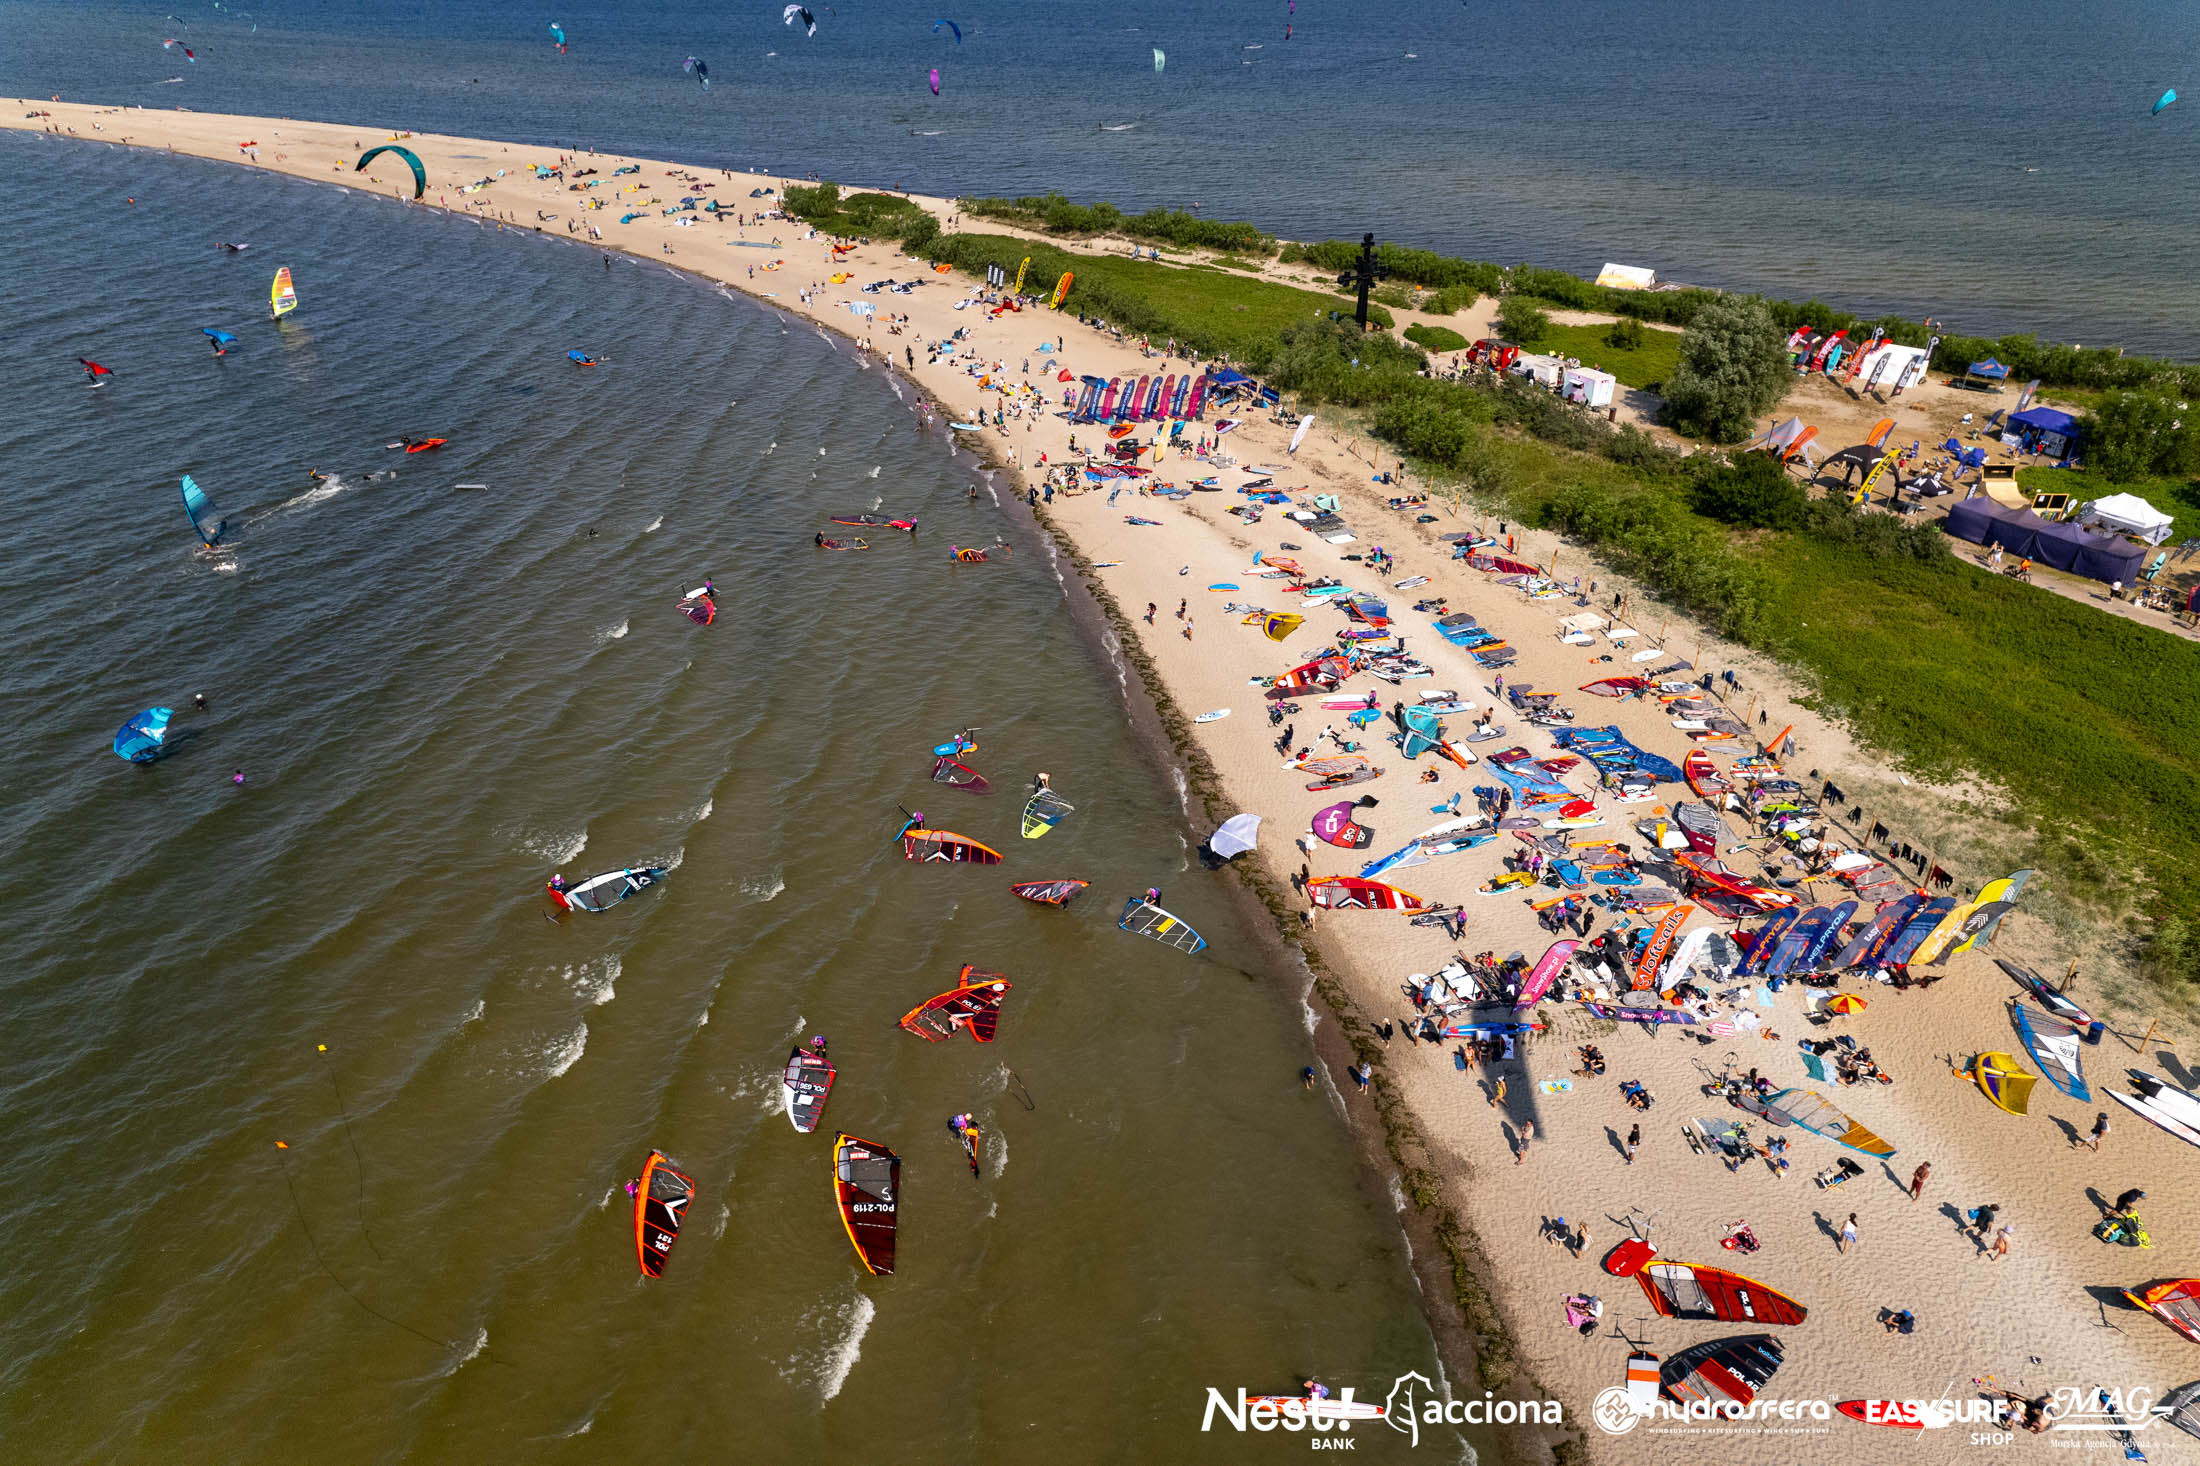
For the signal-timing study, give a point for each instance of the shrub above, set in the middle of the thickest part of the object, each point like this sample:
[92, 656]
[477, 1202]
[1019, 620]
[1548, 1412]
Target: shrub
[1626, 335]
[2131, 435]
[1733, 368]
[1436, 338]
[1519, 320]
[1451, 299]
[1754, 492]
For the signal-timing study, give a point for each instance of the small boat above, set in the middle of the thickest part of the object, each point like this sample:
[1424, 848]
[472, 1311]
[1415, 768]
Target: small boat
[425, 444]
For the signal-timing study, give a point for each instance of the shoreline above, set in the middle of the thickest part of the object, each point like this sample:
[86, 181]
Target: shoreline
[1442, 1148]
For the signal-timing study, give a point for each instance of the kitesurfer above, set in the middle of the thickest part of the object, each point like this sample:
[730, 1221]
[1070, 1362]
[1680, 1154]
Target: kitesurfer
[237, 778]
[198, 700]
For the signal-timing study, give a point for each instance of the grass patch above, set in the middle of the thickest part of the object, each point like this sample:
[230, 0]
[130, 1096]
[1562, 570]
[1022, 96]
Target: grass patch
[2072, 711]
[1231, 262]
[1436, 338]
[1643, 366]
[1209, 310]
[2175, 496]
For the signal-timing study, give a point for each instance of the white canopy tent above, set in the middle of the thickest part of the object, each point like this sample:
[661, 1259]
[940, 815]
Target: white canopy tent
[1626, 277]
[2127, 514]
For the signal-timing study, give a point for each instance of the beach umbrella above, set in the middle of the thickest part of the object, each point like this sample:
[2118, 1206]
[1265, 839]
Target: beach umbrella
[1845, 1003]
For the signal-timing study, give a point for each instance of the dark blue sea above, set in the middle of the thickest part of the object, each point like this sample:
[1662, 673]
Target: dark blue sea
[1993, 165]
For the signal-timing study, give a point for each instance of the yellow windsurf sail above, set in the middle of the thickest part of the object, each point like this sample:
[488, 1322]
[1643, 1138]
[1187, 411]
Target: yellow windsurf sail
[282, 294]
[2003, 1081]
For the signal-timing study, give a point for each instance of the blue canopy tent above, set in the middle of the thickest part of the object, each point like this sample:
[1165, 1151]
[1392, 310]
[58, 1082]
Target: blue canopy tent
[2062, 546]
[1984, 376]
[2045, 430]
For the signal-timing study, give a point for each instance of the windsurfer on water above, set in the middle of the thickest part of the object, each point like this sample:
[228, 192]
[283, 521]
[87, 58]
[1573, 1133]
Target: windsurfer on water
[557, 893]
[966, 1130]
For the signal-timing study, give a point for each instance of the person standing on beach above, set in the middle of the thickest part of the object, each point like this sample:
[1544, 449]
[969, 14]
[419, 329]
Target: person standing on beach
[1527, 1134]
[1497, 1092]
[1918, 1177]
[1634, 1139]
[2001, 1241]
[2099, 1132]
[1847, 1238]
[1983, 1217]
[1306, 1077]
[1150, 609]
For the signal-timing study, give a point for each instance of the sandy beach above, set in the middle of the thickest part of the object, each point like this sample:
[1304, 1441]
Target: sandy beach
[2047, 1316]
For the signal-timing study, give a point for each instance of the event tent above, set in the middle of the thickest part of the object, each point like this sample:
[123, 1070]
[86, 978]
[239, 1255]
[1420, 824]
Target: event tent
[1626, 277]
[2062, 546]
[1863, 458]
[2127, 514]
[2054, 433]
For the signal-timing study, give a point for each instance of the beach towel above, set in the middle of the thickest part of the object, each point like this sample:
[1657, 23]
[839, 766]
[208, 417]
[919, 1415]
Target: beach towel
[1765, 997]
[1815, 1067]
[1556, 1086]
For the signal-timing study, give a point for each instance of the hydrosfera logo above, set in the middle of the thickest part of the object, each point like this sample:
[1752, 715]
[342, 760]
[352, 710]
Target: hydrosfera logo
[1413, 1401]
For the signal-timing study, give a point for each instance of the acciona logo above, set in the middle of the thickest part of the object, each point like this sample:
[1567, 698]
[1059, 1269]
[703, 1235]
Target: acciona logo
[1413, 1401]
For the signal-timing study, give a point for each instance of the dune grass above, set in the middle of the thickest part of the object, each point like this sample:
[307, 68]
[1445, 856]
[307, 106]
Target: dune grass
[1641, 366]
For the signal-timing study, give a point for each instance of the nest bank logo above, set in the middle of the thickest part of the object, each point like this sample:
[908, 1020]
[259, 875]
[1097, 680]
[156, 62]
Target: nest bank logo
[1412, 1402]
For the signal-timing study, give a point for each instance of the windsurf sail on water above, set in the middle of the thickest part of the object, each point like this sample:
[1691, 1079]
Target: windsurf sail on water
[1043, 812]
[282, 296]
[143, 738]
[946, 769]
[1149, 920]
[809, 1079]
[700, 609]
[601, 893]
[1050, 893]
[205, 518]
[945, 845]
[660, 1203]
[867, 1188]
[972, 1004]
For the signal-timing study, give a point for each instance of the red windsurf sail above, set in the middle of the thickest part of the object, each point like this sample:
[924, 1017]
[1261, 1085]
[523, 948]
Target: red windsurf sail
[974, 1003]
[660, 1201]
[946, 845]
[867, 1188]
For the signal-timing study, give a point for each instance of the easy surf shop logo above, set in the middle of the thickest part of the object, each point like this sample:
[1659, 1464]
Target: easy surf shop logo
[1413, 1401]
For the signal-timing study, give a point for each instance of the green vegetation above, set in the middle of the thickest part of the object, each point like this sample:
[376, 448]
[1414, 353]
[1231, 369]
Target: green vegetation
[1435, 338]
[1732, 370]
[2131, 435]
[1647, 365]
[1521, 322]
[1232, 262]
[1057, 215]
[1205, 310]
[1451, 299]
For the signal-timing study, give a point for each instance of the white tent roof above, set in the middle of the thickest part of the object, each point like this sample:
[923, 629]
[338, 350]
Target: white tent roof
[2127, 511]
[1236, 835]
[1626, 277]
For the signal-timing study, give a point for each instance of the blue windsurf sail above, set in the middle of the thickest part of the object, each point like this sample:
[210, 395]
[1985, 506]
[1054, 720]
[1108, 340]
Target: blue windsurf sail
[205, 518]
[141, 739]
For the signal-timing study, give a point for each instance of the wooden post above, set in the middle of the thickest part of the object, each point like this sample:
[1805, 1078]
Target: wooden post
[2070, 978]
[2140, 1047]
